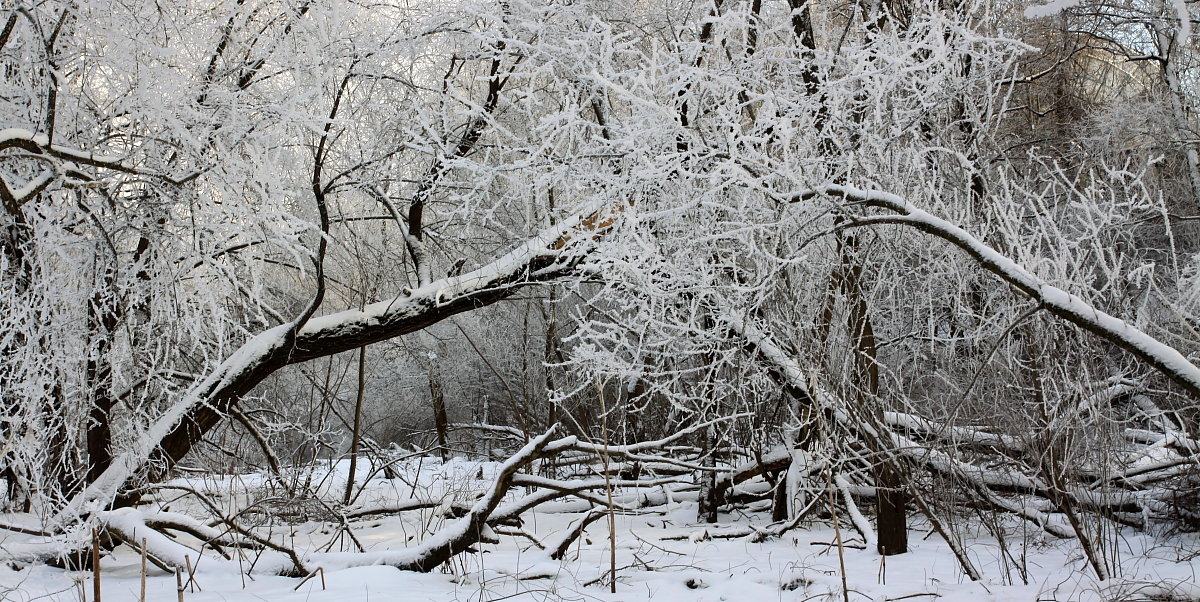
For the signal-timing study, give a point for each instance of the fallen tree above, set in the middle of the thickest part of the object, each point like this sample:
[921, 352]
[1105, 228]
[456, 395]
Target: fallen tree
[989, 478]
[474, 524]
[544, 257]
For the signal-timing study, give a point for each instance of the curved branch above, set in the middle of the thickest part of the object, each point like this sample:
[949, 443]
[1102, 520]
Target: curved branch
[1164, 358]
[206, 402]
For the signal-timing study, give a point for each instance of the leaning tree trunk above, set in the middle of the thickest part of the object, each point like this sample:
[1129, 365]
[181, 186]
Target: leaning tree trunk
[205, 404]
[891, 499]
[440, 422]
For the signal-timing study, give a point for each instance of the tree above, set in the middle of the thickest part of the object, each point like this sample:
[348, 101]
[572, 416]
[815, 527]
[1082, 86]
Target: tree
[736, 201]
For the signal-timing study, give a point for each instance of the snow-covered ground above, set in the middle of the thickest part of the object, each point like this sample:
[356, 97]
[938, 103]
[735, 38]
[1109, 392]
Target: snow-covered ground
[662, 554]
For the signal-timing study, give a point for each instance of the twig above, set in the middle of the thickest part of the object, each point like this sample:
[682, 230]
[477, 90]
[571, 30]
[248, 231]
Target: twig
[517, 532]
[95, 565]
[574, 532]
[319, 570]
[191, 580]
[142, 590]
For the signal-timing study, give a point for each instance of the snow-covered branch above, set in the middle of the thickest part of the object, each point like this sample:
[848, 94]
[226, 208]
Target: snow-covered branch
[543, 257]
[1166, 359]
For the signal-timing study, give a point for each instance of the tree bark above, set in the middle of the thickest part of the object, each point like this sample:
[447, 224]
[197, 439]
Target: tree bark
[891, 500]
[356, 430]
[440, 423]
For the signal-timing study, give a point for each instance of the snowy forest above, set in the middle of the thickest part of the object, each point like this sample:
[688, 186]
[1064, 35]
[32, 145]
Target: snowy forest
[600, 300]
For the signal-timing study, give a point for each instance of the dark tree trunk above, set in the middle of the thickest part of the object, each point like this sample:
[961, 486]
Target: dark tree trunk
[440, 422]
[356, 429]
[891, 499]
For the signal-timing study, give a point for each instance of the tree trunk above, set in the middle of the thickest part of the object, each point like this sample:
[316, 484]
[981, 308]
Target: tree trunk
[1179, 112]
[356, 430]
[440, 423]
[890, 499]
[707, 501]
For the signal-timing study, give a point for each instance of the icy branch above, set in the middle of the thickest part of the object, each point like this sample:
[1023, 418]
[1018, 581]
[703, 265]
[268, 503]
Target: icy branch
[457, 537]
[540, 258]
[1075, 310]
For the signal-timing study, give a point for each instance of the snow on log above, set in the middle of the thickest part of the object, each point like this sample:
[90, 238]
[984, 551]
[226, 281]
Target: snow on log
[579, 486]
[453, 539]
[131, 526]
[860, 522]
[366, 510]
[957, 435]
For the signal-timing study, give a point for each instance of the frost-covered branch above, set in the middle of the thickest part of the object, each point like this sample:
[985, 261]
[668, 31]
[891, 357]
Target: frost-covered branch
[1166, 359]
[172, 435]
[459, 535]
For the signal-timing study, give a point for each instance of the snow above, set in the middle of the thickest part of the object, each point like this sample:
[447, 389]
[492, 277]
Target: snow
[8, 135]
[1049, 9]
[662, 554]
[14, 135]
[132, 523]
[447, 289]
[1185, 21]
[856, 516]
[25, 191]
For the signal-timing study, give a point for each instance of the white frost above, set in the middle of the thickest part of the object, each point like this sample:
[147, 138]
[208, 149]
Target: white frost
[1049, 9]
[1167, 359]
